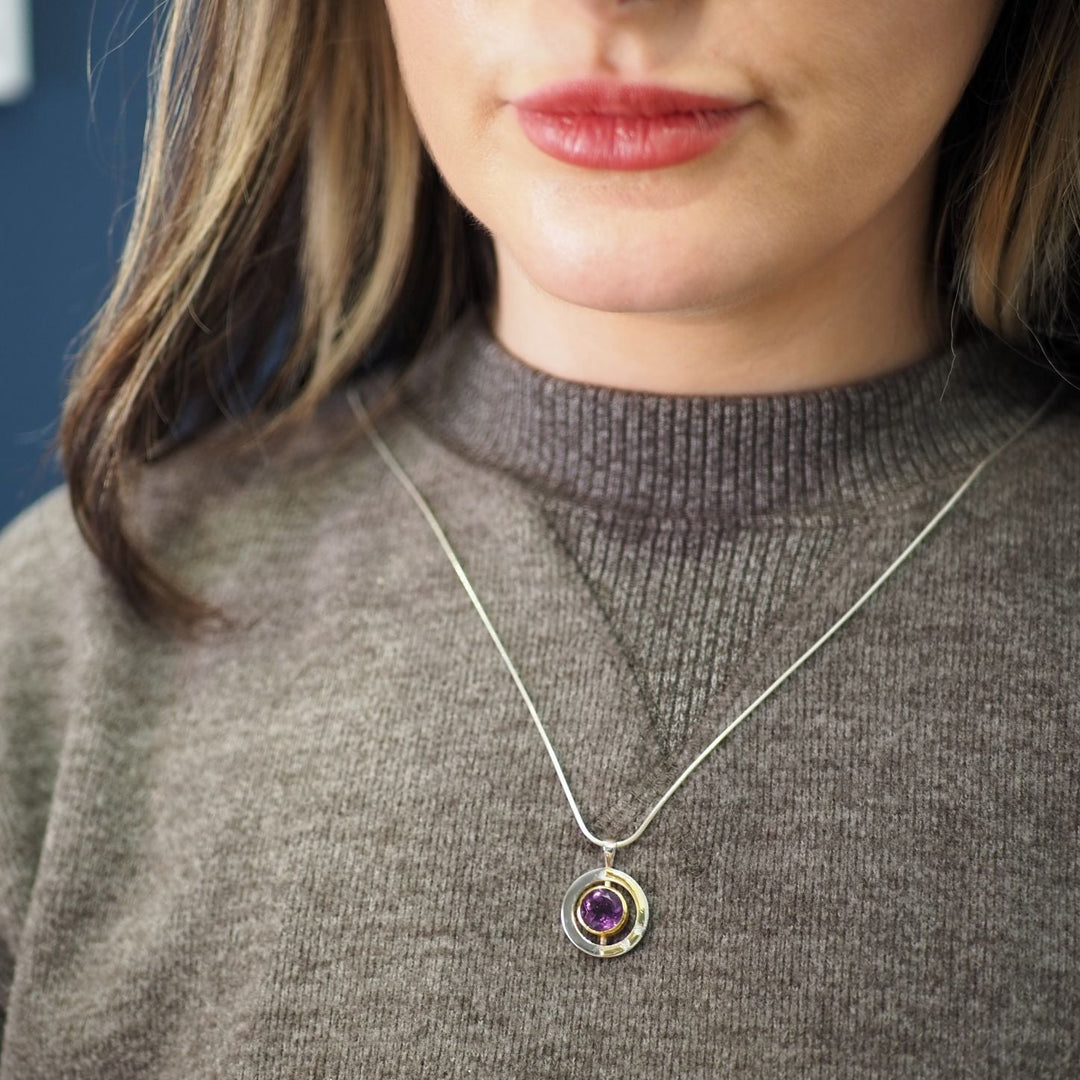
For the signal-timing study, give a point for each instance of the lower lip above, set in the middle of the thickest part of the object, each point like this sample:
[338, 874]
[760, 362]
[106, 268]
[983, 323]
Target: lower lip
[599, 141]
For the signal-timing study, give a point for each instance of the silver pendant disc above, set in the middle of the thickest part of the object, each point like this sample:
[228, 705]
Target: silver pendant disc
[605, 912]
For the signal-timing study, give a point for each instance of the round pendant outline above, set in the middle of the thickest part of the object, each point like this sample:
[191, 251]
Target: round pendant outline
[595, 879]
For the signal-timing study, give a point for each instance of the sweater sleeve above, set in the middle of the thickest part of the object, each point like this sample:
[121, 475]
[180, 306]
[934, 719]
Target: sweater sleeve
[37, 549]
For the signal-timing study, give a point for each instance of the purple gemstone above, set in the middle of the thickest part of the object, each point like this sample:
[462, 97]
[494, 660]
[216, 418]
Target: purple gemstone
[601, 910]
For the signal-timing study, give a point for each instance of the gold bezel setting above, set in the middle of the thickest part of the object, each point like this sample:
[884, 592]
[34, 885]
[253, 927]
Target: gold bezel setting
[624, 901]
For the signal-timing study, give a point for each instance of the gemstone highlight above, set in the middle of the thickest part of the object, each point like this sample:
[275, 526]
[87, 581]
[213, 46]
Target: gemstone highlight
[602, 910]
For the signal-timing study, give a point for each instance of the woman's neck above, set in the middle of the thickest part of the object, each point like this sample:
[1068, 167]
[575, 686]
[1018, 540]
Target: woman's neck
[863, 311]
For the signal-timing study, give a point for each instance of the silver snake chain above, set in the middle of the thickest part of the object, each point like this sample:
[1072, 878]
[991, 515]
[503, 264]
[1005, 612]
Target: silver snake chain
[610, 845]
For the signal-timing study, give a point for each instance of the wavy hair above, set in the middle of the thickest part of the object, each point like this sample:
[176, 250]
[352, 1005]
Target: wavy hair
[286, 206]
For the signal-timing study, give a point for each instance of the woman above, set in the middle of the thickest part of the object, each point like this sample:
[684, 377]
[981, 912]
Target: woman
[679, 379]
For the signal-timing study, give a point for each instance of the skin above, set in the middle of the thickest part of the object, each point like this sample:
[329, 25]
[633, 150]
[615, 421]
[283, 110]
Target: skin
[793, 256]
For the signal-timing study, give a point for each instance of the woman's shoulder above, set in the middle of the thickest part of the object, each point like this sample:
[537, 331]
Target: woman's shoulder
[44, 566]
[43, 556]
[204, 511]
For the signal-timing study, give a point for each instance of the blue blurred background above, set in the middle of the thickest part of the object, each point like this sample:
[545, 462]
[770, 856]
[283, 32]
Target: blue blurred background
[69, 156]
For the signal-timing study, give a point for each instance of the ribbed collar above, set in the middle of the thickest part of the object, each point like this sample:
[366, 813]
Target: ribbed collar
[705, 456]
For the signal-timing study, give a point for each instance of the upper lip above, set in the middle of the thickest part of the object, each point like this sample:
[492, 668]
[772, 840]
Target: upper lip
[620, 99]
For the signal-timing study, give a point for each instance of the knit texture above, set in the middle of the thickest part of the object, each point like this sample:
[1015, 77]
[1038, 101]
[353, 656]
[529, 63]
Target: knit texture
[331, 843]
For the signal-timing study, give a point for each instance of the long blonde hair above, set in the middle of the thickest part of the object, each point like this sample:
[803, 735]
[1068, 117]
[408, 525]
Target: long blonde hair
[283, 171]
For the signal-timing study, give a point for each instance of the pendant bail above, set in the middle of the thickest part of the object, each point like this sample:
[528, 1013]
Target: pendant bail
[609, 854]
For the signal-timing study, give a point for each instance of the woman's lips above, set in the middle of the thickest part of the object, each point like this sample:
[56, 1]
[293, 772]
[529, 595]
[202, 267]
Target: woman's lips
[626, 142]
[604, 125]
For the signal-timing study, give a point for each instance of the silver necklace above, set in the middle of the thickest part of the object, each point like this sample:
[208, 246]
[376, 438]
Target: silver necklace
[605, 911]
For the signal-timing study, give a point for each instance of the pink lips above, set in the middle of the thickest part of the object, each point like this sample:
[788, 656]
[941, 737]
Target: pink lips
[606, 125]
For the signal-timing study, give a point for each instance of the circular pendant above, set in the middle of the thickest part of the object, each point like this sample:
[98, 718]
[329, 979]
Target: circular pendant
[604, 913]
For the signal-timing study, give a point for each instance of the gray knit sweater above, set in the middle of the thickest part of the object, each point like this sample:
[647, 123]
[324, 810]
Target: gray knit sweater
[331, 843]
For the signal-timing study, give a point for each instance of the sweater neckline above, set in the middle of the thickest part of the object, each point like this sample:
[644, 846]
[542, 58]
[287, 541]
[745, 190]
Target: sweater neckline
[704, 457]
